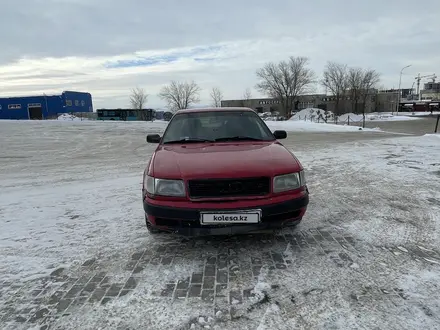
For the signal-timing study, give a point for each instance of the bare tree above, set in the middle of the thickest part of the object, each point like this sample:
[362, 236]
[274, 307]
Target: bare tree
[216, 96]
[361, 85]
[335, 80]
[286, 80]
[247, 96]
[138, 99]
[355, 77]
[370, 80]
[180, 95]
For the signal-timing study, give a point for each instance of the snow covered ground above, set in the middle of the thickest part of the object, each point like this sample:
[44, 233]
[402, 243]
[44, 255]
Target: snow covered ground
[76, 255]
[375, 117]
[317, 115]
[307, 126]
[421, 113]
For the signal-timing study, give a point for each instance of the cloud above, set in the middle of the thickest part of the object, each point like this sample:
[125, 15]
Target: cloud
[164, 58]
[108, 47]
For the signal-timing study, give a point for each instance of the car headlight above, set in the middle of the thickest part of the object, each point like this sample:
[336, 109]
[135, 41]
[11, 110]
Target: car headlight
[164, 187]
[288, 182]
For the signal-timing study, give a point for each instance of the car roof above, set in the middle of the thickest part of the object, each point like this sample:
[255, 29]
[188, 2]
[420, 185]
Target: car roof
[232, 109]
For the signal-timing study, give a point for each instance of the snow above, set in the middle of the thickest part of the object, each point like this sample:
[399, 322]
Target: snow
[374, 117]
[71, 193]
[433, 135]
[386, 117]
[307, 126]
[69, 117]
[310, 112]
[318, 115]
[418, 113]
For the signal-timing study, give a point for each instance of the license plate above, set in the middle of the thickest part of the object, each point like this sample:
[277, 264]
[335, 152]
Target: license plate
[222, 218]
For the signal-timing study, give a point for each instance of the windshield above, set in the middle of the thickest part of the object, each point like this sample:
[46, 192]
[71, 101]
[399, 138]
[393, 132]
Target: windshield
[216, 126]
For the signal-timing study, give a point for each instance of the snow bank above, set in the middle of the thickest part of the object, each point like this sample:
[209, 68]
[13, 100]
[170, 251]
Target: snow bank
[352, 116]
[69, 117]
[311, 113]
[433, 135]
[318, 115]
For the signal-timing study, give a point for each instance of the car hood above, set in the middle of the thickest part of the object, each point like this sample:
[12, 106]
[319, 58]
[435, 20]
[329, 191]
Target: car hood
[222, 160]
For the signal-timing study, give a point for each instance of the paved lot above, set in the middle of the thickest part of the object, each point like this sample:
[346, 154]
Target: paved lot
[366, 256]
[239, 278]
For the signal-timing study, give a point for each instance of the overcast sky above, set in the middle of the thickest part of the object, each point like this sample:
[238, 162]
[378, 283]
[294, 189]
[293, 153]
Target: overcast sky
[107, 47]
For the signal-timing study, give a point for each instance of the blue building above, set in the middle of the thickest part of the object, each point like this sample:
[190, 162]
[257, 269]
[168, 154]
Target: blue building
[45, 106]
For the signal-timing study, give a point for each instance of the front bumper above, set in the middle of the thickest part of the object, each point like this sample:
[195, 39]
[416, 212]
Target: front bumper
[186, 221]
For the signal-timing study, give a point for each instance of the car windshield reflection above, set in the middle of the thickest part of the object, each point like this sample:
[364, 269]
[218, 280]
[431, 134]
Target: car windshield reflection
[216, 126]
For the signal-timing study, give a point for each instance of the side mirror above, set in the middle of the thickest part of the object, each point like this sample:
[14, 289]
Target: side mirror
[153, 138]
[280, 135]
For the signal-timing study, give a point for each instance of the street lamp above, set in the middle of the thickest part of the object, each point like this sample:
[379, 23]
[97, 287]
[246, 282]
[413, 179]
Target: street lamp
[400, 82]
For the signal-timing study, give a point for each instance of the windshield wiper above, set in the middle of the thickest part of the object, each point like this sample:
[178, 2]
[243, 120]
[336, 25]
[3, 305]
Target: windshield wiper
[186, 140]
[237, 138]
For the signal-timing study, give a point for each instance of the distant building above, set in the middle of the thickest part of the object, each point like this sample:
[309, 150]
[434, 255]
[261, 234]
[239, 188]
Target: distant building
[386, 100]
[408, 102]
[431, 91]
[126, 114]
[45, 106]
[375, 101]
[321, 101]
[263, 105]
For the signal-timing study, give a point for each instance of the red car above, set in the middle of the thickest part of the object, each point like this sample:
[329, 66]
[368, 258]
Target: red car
[222, 171]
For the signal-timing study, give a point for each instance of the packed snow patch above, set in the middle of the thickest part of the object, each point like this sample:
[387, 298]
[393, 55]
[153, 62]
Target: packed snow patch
[70, 117]
[307, 126]
[352, 117]
[385, 117]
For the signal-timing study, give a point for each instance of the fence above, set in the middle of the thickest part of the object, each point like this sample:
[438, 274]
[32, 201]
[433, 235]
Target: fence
[333, 120]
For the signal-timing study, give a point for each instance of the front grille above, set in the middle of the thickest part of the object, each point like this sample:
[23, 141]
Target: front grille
[217, 188]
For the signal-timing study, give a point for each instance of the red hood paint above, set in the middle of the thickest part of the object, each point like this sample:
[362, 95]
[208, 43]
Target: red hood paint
[222, 160]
